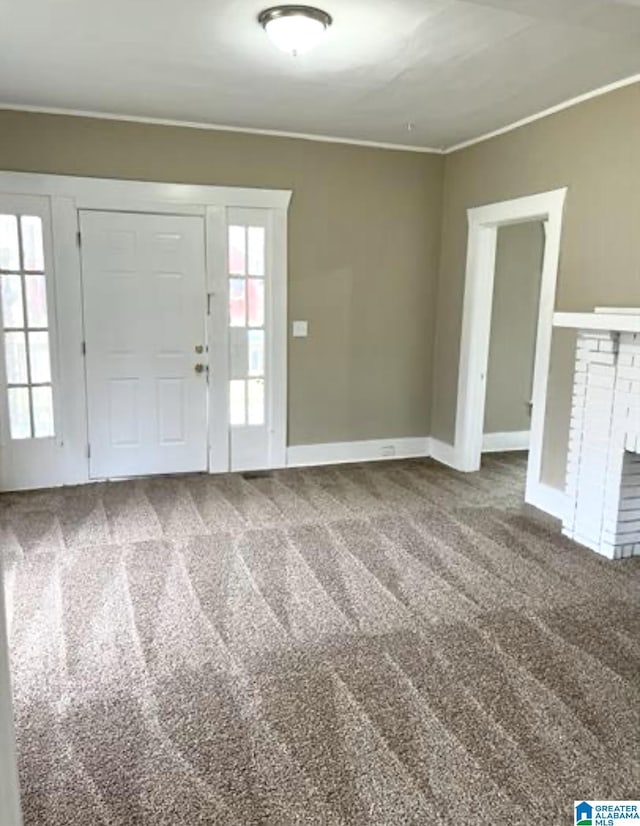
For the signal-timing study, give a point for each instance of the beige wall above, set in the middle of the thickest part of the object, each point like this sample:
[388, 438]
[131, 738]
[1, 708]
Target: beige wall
[364, 246]
[364, 237]
[594, 149]
[514, 316]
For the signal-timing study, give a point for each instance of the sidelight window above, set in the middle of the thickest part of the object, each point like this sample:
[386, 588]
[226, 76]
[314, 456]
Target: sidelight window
[247, 273]
[25, 327]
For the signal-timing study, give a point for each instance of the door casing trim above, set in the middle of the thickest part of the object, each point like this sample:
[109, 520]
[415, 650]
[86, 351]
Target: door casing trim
[70, 194]
[483, 223]
[141, 196]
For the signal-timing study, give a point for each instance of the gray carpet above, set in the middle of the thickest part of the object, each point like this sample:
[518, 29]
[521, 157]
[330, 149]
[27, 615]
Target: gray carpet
[374, 644]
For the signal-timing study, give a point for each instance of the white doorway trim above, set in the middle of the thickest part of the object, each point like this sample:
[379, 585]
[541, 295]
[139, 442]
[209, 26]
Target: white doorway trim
[69, 194]
[484, 222]
[507, 441]
[141, 196]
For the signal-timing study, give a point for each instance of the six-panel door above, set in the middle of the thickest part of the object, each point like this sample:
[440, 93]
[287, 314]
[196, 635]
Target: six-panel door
[145, 313]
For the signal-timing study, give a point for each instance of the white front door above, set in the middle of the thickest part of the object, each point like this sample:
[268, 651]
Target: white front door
[145, 322]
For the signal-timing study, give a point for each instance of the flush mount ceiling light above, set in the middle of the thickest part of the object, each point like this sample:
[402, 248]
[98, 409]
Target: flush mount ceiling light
[295, 29]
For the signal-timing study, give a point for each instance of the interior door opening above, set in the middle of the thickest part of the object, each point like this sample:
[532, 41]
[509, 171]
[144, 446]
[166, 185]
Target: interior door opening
[513, 334]
[484, 223]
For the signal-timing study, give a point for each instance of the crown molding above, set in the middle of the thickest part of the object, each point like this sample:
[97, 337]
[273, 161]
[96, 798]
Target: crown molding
[545, 113]
[274, 133]
[216, 127]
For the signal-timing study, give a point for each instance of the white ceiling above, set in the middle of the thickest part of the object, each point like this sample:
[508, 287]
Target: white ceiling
[457, 69]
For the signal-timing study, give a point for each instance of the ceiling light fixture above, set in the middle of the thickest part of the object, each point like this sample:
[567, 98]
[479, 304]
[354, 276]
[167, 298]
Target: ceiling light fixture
[295, 29]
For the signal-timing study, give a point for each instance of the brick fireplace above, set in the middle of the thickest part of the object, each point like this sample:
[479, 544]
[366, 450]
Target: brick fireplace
[603, 470]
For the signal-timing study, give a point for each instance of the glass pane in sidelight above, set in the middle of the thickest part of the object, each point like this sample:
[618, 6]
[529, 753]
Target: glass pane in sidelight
[237, 251]
[255, 289]
[32, 246]
[12, 310]
[39, 358]
[236, 402]
[15, 354]
[42, 399]
[256, 251]
[256, 352]
[36, 290]
[9, 252]
[237, 302]
[19, 417]
[255, 401]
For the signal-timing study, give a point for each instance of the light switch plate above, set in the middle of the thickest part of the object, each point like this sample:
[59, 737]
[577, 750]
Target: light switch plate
[300, 329]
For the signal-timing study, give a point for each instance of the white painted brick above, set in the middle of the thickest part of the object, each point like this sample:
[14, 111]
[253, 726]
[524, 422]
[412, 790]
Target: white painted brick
[601, 358]
[625, 359]
[624, 372]
[601, 380]
[602, 480]
[598, 335]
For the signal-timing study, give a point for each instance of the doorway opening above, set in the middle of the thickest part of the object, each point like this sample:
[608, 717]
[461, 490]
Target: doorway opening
[484, 224]
[512, 342]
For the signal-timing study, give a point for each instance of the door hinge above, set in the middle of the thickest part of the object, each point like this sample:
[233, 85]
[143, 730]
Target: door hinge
[84, 348]
[79, 238]
[88, 451]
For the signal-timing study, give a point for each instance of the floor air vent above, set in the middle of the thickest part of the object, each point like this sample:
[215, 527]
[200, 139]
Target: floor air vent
[256, 474]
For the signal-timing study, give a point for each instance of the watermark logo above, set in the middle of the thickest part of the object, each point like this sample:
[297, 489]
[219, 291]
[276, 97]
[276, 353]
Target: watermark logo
[606, 812]
[584, 814]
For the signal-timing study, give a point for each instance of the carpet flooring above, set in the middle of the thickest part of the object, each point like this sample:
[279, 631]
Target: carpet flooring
[381, 644]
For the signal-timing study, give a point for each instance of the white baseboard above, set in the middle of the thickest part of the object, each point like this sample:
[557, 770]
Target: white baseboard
[502, 442]
[550, 500]
[335, 453]
[446, 454]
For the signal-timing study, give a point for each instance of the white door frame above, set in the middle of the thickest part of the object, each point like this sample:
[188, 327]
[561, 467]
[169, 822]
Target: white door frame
[69, 194]
[484, 222]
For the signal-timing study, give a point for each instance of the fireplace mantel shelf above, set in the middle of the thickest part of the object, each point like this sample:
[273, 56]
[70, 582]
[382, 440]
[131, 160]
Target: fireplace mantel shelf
[614, 322]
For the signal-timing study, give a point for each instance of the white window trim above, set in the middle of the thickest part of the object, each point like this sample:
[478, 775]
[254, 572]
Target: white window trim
[39, 206]
[17, 455]
[68, 195]
[276, 298]
[484, 222]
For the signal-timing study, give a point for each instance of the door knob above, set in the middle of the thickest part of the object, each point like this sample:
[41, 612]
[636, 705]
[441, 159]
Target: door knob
[199, 368]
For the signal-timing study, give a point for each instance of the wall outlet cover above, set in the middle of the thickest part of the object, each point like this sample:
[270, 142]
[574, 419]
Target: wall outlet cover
[300, 329]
